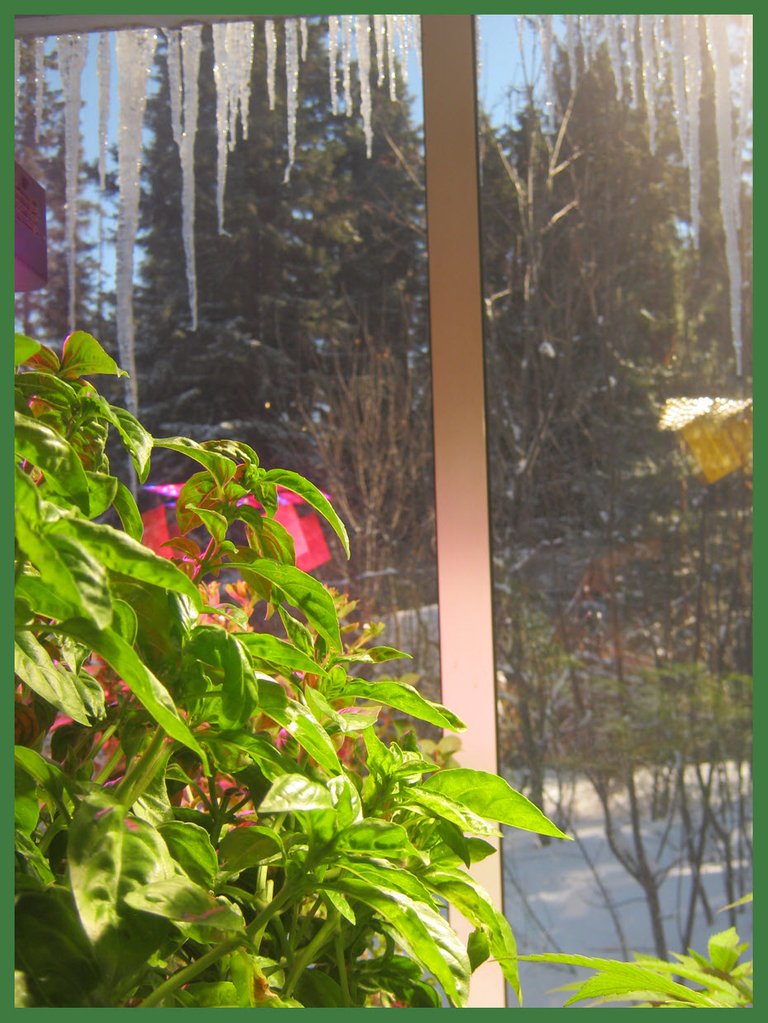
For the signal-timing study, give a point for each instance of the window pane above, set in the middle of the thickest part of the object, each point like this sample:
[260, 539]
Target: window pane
[616, 247]
[311, 338]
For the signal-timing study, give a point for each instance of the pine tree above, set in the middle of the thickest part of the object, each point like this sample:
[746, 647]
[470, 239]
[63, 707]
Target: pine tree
[312, 319]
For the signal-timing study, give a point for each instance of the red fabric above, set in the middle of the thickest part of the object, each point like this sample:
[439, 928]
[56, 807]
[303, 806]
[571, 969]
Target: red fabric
[156, 530]
[308, 538]
[288, 517]
[314, 538]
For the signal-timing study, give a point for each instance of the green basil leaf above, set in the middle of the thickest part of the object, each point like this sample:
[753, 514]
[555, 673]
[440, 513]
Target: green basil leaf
[45, 921]
[212, 994]
[234, 449]
[214, 521]
[222, 468]
[87, 572]
[478, 947]
[377, 838]
[266, 536]
[179, 900]
[314, 497]
[224, 659]
[385, 653]
[53, 391]
[491, 797]
[126, 508]
[137, 441]
[301, 591]
[231, 747]
[422, 932]
[139, 679]
[43, 600]
[122, 554]
[293, 793]
[348, 808]
[247, 846]
[109, 855]
[36, 864]
[316, 988]
[154, 805]
[82, 355]
[341, 904]
[298, 722]
[298, 633]
[404, 697]
[277, 653]
[125, 621]
[474, 903]
[46, 774]
[26, 804]
[54, 456]
[102, 489]
[57, 686]
[24, 348]
[381, 873]
[443, 807]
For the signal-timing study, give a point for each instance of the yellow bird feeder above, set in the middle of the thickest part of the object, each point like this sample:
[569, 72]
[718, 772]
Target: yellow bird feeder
[717, 432]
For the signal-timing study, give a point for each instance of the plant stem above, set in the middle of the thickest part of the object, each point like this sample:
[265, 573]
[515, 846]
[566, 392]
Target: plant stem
[135, 783]
[338, 944]
[308, 953]
[253, 931]
[109, 767]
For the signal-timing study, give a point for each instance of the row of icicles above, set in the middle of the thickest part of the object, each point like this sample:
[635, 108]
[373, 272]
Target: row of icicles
[670, 47]
[670, 50]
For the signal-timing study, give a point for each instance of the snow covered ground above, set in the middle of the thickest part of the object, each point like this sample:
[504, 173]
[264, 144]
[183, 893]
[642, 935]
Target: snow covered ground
[576, 897]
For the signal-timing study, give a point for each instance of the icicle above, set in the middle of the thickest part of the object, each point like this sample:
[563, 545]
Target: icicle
[72, 51]
[380, 37]
[570, 46]
[292, 88]
[717, 34]
[221, 81]
[103, 72]
[271, 40]
[304, 37]
[39, 84]
[183, 71]
[611, 23]
[649, 75]
[545, 32]
[191, 46]
[240, 65]
[333, 55]
[629, 22]
[585, 31]
[175, 87]
[232, 67]
[478, 46]
[677, 57]
[692, 48]
[402, 23]
[346, 61]
[416, 37]
[16, 65]
[659, 44]
[391, 64]
[745, 104]
[134, 51]
[363, 44]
